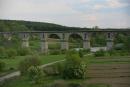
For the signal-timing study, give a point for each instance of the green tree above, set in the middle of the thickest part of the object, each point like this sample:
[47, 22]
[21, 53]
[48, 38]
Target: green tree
[74, 67]
[127, 44]
[28, 62]
[2, 65]
[35, 74]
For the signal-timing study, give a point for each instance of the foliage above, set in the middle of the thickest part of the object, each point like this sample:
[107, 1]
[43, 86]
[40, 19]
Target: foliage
[99, 53]
[24, 51]
[35, 74]
[63, 51]
[54, 70]
[2, 65]
[14, 25]
[74, 67]
[127, 44]
[81, 54]
[59, 83]
[28, 62]
[118, 52]
[86, 51]
[119, 46]
[3, 52]
[97, 40]
[11, 53]
[55, 52]
[74, 84]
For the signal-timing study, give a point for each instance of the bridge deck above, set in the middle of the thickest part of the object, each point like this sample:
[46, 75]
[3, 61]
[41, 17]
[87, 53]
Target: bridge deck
[67, 31]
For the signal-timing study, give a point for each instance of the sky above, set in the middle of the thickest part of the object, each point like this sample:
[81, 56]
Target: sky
[73, 13]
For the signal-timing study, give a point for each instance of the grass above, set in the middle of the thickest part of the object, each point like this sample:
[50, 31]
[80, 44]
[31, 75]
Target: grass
[90, 59]
[24, 82]
[13, 63]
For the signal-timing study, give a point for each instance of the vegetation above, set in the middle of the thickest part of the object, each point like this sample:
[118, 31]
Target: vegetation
[14, 25]
[11, 53]
[74, 67]
[27, 63]
[24, 51]
[99, 53]
[2, 66]
[35, 75]
[2, 53]
[55, 80]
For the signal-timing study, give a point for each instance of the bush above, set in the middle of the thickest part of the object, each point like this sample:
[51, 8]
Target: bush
[55, 52]
[63, 51]
[2, 65]
[119, 46]
[118, 53]
[53, 70]
[24, 51]
[28, 62]
[86, 51]
[99, 53]
[59, 83]
[11, 53]
[3, 53]
[81, 54]
[74, 85]
[74, 67]
[35, 74]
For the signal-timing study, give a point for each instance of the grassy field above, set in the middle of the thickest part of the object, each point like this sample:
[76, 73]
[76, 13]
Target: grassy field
[13, 63]
[23, 81]
[107, 60]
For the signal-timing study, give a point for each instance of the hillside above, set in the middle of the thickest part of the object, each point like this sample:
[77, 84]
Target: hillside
[18, 25]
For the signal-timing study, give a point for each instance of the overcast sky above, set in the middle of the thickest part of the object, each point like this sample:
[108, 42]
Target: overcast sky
[77, 13]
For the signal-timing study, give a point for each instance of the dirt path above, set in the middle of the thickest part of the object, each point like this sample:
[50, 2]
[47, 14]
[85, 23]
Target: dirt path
[17, 73]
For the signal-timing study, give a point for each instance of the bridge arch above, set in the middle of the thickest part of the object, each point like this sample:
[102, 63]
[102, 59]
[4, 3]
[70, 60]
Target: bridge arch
[75, 40]
[54, 41]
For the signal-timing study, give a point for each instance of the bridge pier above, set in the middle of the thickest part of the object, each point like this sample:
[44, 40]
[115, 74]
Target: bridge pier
[64, 45]
[86, 41]
[44, 43]
[25, 38]
[110, 40]
[64, 41]
[7, 36]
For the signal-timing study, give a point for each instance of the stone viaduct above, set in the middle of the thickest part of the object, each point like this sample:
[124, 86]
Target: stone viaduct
[64, 37]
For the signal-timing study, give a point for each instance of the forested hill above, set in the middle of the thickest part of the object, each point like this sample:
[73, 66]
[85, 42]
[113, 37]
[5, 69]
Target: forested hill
[15, 25]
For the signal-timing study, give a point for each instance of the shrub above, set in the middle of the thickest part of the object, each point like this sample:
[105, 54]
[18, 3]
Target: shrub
[59, 83]
[55, 52]
[99, 53]
[81, 54]
[119, 46]
[63, 51]
[3, 52]
[74, 85]
[2, 65]
[11, 53]
[28, 62]
[24, 51]
[55, 69]
[74, 67]
[86, 51]
[35, 74]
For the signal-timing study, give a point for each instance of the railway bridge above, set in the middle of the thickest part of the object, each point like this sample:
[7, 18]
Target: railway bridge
[64, 37]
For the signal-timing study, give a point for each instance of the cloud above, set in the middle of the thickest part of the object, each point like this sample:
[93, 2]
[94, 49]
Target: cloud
[113, 4]
[116, 4]
[79, 13]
